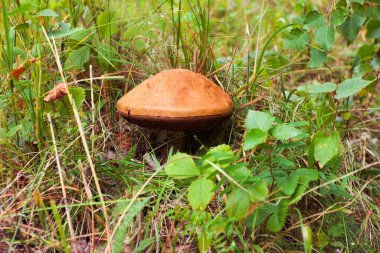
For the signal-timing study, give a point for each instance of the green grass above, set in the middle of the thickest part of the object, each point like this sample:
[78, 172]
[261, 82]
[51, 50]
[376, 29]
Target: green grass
[75, 176]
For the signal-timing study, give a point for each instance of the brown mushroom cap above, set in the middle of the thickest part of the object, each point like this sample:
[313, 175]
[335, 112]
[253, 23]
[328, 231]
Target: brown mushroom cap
[176, 99]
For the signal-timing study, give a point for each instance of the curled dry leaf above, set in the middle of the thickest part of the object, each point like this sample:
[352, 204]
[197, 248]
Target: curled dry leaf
[57, 92]
[17, 72]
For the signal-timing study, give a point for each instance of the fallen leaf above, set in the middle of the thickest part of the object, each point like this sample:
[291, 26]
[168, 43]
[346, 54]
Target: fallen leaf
[57, 92]
[17, 72]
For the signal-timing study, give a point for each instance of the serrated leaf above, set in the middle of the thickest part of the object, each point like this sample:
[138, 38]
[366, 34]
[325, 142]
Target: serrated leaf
[315, 19]
[254, 138]
[78, 94]
[326, 147]
[258, 192]
[181, 166]
[285, 132]
[78, 58]
[288, 184]
[108, 57]
[47, 13]
[81, 35]
[325, 37]
[277, 220]
[297, 39]
[106, 24]
[317, 58]
[350, 87]
[200, 193]
[338, 16]
[351, 27]
[238, 203]
[259, 120]
[316, 87]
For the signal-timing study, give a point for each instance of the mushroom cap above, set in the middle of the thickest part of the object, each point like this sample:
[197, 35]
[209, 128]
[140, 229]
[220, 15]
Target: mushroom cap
[176, 99]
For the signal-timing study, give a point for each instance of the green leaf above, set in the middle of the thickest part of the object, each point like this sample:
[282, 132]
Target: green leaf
[366, 51]
[326, 147]
[106, 24]
[338, 16]
[238, 203]
[350, 28]
[322, 240]
[316, 87]
[254, 138]
[108, 57]
[200, 193]
[259, 120]
[358, 1]
[373, 29]
[285, 132]
[258, 192]
[122, 230]
[350, 87]
[315, 19]
[78, 94]
[297, 39]
[204, 241]
[47, 13]
[81, 35]
[307, 175]
[277, 220]
[132, 31]
[78, 58]
[62, 30]
[325, 37]
[307, 236]
[317, 58]
[13, 130]
[288, 184]
[181, 166]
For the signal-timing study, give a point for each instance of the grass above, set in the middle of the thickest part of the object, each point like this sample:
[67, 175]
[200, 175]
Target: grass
[76, 177]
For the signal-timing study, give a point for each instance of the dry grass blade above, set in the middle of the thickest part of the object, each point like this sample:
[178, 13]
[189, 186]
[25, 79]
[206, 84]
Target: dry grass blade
[82, 135]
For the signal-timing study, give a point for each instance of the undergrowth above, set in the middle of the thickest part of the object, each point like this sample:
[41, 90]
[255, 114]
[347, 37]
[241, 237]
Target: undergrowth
[295, 168]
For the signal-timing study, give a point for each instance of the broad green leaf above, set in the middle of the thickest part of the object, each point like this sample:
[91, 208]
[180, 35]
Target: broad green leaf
[47, 13]
[326, 147]
[122, 230]
[78, 94]
[373, 29]
[181, 166]
[106, 24]
[307, 175]
[297, 39]
[315, 19]
[350, 28]
[317, 58]
[350, 87]
[259, 120]
[81, 35]
[13, 130]
[108, 57]
[285, 132]
[238, 203]
[254, 138]
[204, 240]
[316, 87]
[339, 15]
[366, 51]
[325, 37]
[62, 30]
[277, 220]
[132, 31]
[288, 184]
[258, 192]
[78, 58]
[200, 193]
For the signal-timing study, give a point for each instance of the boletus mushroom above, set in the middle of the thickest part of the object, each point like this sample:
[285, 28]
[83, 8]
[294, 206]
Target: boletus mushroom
[176, 99]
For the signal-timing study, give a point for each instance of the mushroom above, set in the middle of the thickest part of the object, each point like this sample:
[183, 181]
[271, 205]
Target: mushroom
[176, 99]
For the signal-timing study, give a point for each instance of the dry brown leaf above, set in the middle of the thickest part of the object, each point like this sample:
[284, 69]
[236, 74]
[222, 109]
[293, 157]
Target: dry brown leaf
[16, 73]
[57, 92]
